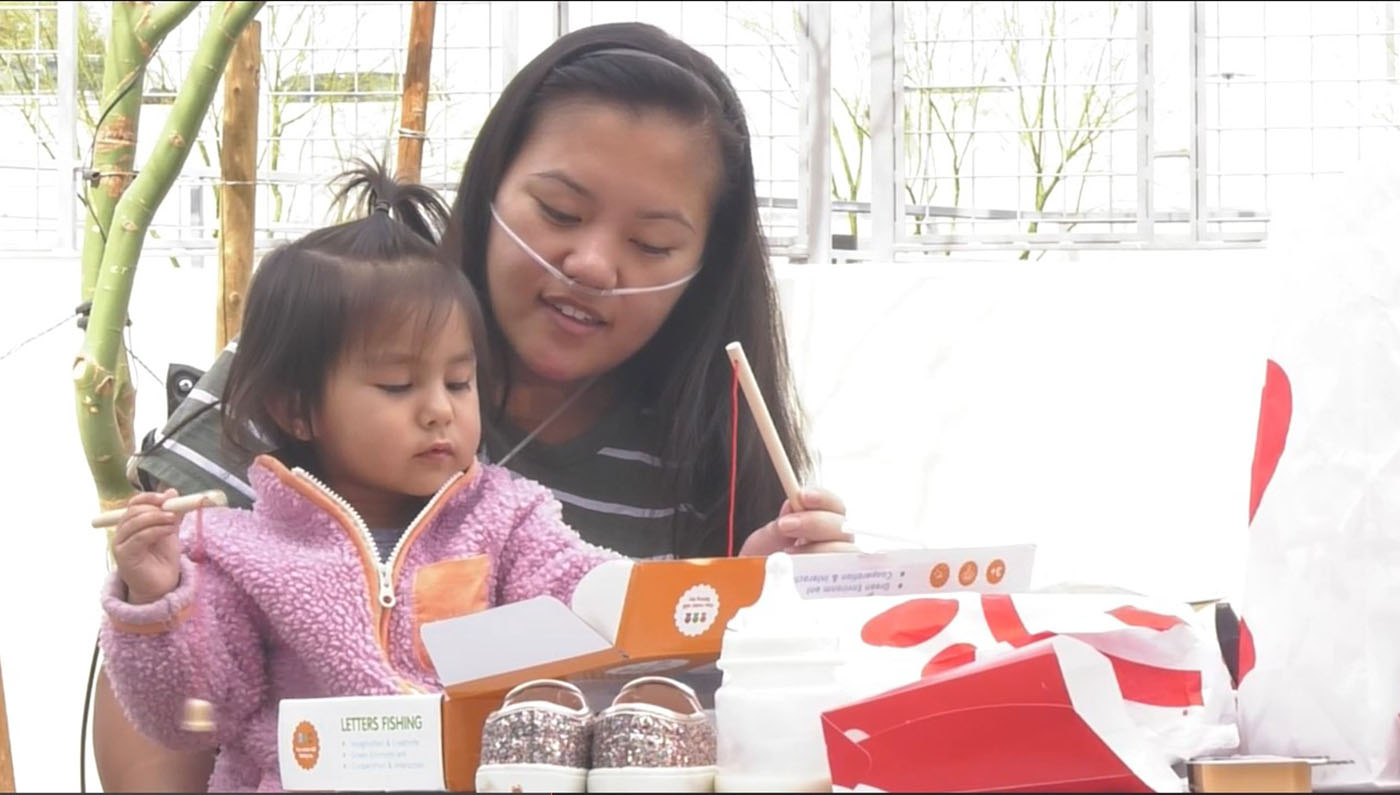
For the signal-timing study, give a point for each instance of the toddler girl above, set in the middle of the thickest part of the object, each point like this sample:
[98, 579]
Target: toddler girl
[358, 365]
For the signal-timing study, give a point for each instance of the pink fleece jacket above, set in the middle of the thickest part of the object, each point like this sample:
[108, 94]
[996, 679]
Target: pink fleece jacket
[290, 602]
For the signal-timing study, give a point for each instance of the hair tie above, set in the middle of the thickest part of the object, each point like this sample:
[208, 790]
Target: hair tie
[381, 206]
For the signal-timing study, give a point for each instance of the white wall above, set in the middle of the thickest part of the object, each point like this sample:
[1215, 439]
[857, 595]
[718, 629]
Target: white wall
[1104, 409]
[53, 562]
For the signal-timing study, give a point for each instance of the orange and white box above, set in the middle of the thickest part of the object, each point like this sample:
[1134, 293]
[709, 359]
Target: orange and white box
[627, 619]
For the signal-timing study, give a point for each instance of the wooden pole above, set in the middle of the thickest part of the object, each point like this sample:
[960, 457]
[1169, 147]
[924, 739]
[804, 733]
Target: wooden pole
[238, 166]
[413, 114]
[7, 763]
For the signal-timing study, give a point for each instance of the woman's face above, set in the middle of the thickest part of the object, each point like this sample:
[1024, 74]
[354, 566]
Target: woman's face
[613, 198]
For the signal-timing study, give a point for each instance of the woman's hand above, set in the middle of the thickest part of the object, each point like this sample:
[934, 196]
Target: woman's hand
[146, 548]
[816, 526]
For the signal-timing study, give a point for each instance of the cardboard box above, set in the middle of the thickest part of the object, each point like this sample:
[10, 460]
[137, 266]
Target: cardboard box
[627, 619]
[650, 617]
[1254, 773]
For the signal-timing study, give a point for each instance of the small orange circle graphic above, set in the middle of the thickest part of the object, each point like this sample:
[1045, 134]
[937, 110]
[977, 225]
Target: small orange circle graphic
[967, 573]
[939, 576]
[306, 745]
[996, 571]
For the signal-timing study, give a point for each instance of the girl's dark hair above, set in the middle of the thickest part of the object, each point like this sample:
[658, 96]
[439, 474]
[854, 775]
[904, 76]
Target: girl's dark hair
[683, 371]
[313, 300]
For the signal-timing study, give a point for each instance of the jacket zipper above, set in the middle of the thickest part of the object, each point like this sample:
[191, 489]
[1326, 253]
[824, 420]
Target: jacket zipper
[389, 570]
[384, 571]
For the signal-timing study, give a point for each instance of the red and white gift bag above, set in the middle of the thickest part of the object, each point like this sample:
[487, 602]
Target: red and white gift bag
[1047, 717]
[1321, 675]
[1168, 668]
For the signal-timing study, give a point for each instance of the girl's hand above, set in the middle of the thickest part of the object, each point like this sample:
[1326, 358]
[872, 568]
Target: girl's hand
[146, 547]
[817, 526]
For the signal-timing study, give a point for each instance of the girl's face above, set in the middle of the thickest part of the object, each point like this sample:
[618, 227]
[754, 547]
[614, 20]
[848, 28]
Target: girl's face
[613, 198]
[398, 417]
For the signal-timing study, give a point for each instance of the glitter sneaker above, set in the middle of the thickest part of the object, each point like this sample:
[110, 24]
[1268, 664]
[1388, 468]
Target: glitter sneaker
[654, 738]
[537, 741]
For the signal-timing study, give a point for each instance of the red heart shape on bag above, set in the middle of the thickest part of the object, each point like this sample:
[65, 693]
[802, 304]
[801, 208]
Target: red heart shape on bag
[1275, 412]
[909, 623]
[951, 657]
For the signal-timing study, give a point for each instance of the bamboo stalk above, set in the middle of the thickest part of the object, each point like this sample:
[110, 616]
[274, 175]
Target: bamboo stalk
[114, 144]
[413, 113]
[156, 21]
[94, 372]
[137, 30]
[238, 166]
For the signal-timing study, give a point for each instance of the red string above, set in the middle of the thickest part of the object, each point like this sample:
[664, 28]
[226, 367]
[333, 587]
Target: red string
[733, 450]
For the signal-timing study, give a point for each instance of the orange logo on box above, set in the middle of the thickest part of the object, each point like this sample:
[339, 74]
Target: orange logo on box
[306, 745]
[996, 571]
[939, 576]
[967, 573]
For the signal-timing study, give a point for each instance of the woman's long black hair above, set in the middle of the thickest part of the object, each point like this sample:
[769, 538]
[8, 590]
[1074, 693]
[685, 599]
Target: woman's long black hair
[683, 371]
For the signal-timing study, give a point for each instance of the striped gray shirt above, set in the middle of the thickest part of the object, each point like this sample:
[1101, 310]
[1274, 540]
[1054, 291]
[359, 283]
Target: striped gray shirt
[609, 479]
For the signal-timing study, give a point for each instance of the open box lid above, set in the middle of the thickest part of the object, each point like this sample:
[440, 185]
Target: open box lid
[629, 617]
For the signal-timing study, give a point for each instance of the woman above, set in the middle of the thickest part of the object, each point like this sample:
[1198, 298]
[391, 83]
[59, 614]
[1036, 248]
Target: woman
[608, 217]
